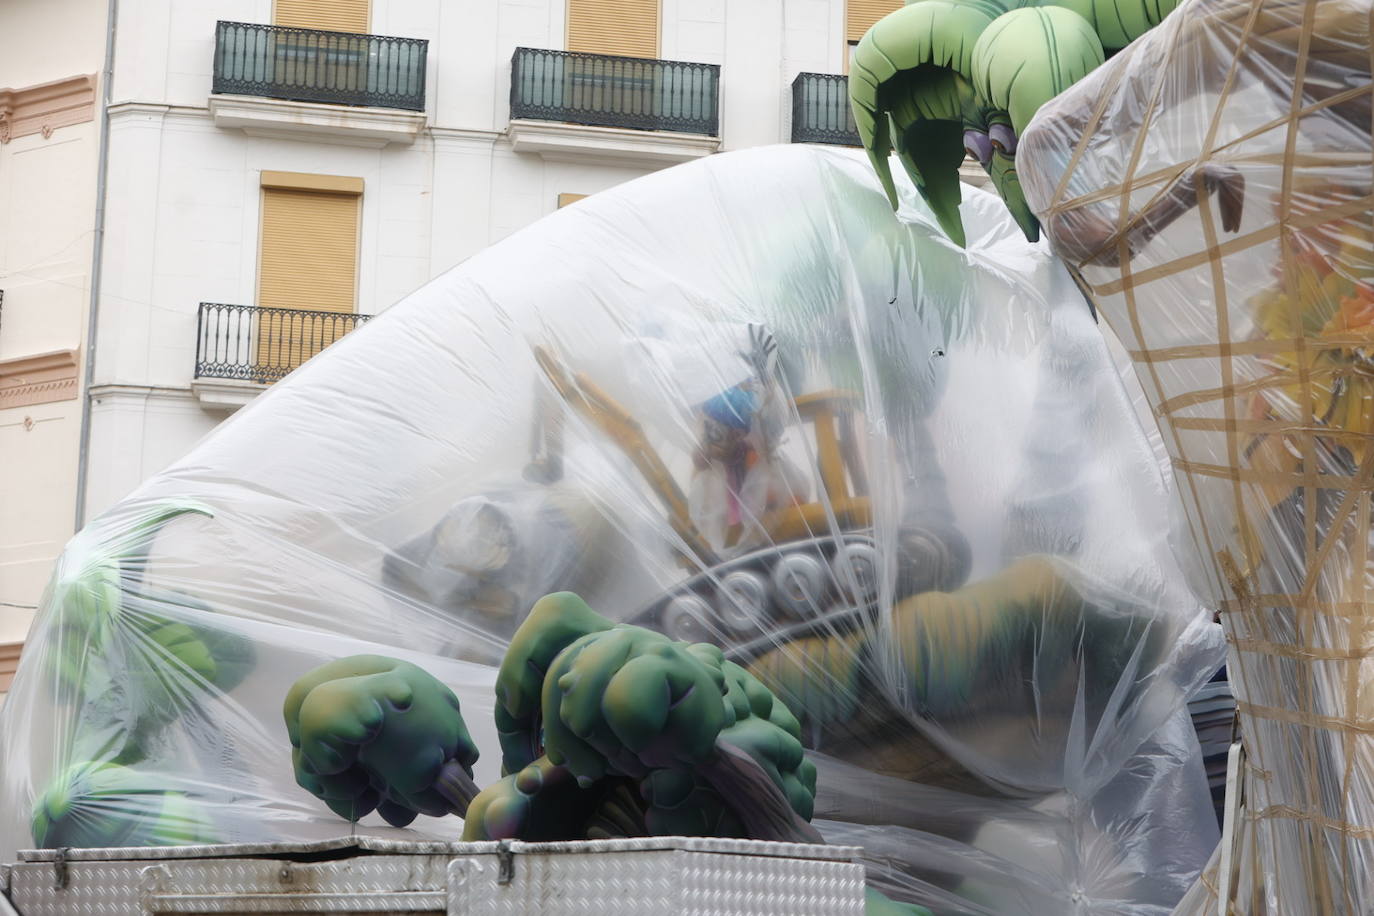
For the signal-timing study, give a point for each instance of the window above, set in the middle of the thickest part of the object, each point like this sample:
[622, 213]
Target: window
[308, 262]
[859, 17]
[329, 15]
[627, 28]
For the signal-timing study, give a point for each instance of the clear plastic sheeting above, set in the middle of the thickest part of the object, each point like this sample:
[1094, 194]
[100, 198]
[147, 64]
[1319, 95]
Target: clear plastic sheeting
[1213, 188]
[738, 402]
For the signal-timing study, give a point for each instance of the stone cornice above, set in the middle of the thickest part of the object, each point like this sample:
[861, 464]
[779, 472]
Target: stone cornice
[623, 146]
[44, 108]
[38, 379]
[225, 394]
[120, 392]
[315, 121]
[466, 135]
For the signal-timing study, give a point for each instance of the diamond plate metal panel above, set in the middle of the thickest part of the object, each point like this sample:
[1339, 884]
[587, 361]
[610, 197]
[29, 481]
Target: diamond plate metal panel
[93, 889]
[371, 884]
[669, 882]
[655, 876]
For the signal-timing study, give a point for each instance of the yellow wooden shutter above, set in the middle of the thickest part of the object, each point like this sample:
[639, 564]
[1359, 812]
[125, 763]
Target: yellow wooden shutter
[565, 199]
[309, 250]
[330, 15]
[624, 27]
[859, 15]
[308, 261]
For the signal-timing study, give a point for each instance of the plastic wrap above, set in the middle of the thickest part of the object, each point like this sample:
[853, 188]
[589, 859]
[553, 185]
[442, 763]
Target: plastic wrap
[737, 401]
[1251, 341]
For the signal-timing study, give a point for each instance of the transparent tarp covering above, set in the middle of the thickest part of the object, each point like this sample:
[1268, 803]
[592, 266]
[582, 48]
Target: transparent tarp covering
[738, 402]
[1249, 320]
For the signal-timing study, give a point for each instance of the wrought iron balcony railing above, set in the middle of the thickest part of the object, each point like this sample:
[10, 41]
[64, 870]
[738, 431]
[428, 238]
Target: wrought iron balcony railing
[607, 91]
[820, 110]
[307, 65]
[263, 344]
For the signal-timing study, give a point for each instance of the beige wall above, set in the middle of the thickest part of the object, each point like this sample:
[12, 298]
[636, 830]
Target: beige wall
[45, 40]
[47, 214]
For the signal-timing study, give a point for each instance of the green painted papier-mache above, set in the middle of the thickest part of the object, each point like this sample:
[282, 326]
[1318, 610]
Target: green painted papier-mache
[606, 731]
[939, 80]
[587, 706]
[118, 649]
[105, 805]
[369, 732]
[127, 668]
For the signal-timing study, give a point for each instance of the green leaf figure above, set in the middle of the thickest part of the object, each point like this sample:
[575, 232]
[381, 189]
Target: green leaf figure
[942, 79]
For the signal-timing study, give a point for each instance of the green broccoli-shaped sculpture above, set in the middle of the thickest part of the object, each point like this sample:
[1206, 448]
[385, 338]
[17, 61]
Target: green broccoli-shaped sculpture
[106, 805]
[591, 713]
[606, 730]
[369, 732]
[120, 656]
[128, 660]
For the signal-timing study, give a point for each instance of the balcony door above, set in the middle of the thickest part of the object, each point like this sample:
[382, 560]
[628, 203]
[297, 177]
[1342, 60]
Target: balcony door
[307, 266]
[615, 28]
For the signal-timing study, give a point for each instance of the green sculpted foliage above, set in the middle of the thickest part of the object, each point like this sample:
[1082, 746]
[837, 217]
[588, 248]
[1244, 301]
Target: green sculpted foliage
[370, 732]
[563, 618]
[587, 709]
[939, 80]
[119, 653]
[910, 87]
[611, 730]
[105, 805]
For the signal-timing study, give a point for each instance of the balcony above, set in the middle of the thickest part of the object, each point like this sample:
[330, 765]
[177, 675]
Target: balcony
[281, 81]
[820, 110]
[564, 105]
[242, 348]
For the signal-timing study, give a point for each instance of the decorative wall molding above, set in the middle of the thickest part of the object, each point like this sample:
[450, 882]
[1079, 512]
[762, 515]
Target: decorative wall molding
[38, 379]
[44, 108]
[466, 135]
[316, 122]
[9, 663]
[225, 394]
[118, 395]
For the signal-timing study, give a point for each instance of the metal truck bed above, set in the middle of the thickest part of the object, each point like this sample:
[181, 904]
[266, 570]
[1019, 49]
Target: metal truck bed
[658, 876]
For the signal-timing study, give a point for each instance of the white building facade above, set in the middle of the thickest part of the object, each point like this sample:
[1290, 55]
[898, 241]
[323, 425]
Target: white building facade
[276, 171]
[185, 203]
